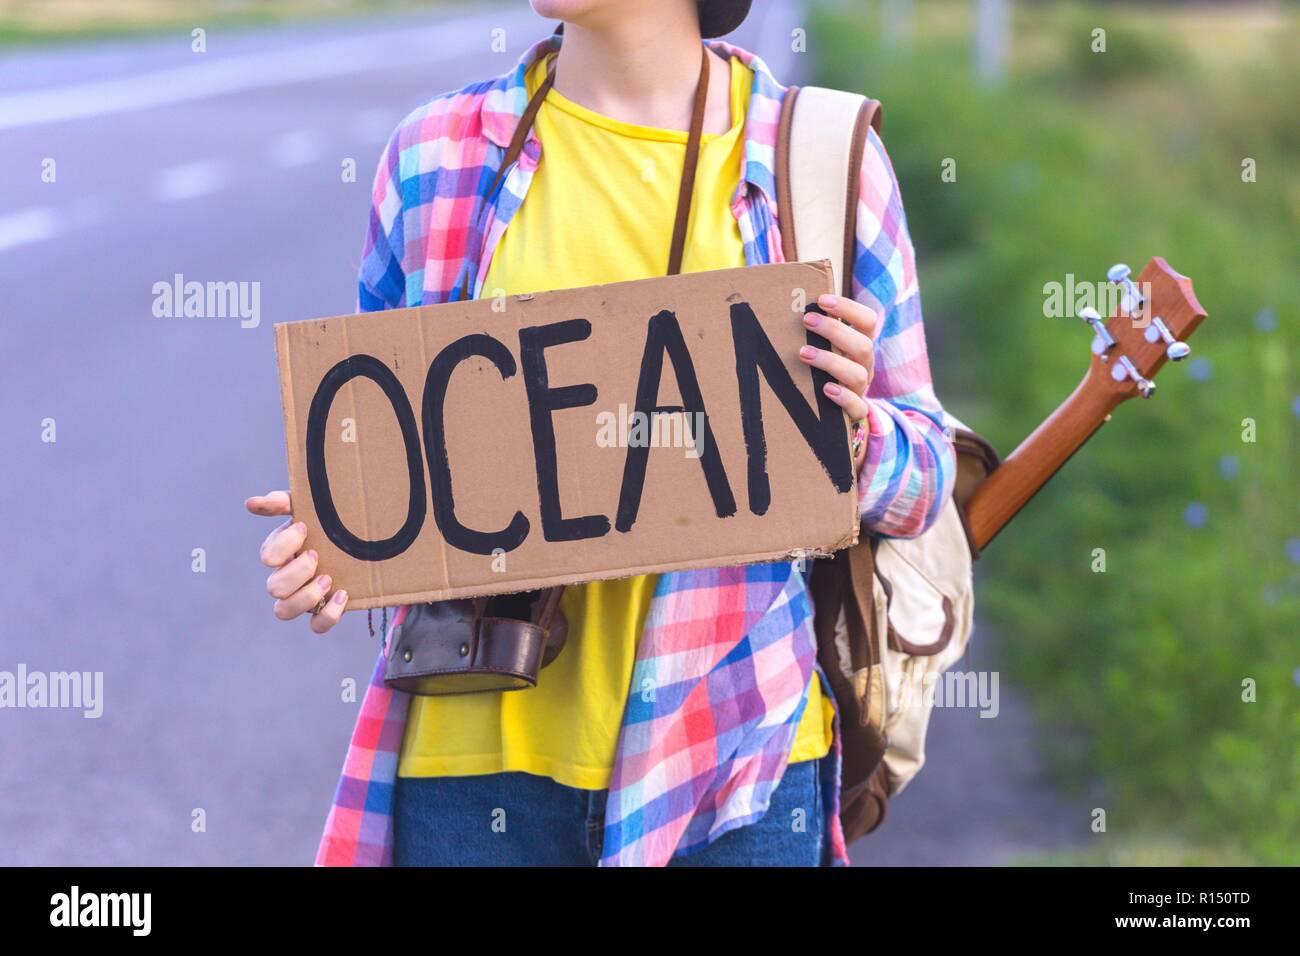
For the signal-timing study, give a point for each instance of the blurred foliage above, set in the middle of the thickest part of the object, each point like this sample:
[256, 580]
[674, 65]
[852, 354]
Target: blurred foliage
[1076, 160]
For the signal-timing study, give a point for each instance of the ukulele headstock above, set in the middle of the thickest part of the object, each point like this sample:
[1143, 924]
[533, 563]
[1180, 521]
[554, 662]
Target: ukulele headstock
[1150, 325]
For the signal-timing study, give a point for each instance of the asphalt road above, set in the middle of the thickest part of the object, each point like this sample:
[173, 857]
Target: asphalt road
[226, 166]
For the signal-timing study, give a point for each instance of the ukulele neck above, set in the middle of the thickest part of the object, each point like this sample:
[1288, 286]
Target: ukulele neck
[1037, 459]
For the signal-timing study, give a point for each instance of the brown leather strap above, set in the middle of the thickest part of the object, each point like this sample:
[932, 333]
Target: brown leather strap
[860, 569]
[516, 147]
[678, 247]
[525, 125]
[682, 218]
[784, 204]
[866, 115]
[550, 605]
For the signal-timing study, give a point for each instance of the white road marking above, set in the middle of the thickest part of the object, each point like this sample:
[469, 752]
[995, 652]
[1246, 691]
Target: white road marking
[27, 225]
[210, 76]
[296, 148]
[188, 181]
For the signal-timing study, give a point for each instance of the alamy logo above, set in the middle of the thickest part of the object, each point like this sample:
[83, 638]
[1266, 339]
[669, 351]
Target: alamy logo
[56, 690]
[103, 909]
[1068, 298]
[957, 689]
[180, 299]
[660, 428]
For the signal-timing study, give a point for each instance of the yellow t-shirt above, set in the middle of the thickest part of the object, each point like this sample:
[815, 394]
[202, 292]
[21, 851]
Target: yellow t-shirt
[599, 209]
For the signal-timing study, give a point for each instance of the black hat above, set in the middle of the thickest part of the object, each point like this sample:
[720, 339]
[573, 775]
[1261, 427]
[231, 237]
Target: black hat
[720, 17]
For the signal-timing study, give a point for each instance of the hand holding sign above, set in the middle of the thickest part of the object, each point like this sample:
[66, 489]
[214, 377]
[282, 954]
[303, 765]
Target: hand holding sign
[294, 583]
[854, 336]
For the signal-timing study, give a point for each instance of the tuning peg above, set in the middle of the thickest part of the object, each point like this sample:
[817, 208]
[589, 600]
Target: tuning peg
[1103, 340]
[1123, 369]
[1119, 274]
[1157, 330]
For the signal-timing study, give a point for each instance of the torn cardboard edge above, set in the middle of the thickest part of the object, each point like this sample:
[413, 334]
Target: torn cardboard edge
[519, 587]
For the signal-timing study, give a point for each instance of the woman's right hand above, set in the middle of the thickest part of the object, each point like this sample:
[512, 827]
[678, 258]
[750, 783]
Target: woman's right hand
[294, 583]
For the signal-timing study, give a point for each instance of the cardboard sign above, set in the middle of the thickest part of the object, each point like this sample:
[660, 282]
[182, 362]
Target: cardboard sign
[507, 444]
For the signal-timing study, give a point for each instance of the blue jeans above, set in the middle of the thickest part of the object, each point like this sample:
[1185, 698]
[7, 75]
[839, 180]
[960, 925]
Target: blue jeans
[517, 819]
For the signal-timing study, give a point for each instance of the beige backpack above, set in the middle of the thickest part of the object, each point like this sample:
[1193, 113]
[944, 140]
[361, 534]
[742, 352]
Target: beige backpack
[891, 615]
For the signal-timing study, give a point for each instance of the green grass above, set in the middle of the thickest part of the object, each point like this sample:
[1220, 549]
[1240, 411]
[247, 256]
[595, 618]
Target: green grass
[1076, 161]
[1139, 850]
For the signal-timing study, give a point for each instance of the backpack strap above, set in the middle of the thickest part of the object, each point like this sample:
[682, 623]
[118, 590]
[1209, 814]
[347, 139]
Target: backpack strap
[820, 145]
[821, 142]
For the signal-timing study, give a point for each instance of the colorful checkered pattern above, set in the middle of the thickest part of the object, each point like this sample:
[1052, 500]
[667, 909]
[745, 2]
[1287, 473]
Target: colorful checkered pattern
[724, 662]
[359, 829]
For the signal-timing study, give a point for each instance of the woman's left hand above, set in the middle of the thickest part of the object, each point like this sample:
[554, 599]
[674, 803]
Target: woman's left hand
[853, 365]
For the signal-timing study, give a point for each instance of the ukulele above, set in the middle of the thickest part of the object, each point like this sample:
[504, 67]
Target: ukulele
[1154, 317]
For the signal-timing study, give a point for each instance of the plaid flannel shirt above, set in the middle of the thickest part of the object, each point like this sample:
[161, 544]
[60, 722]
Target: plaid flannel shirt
[729, 651]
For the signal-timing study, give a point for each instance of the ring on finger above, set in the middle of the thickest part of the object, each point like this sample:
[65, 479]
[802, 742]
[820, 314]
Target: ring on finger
[320, 605]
